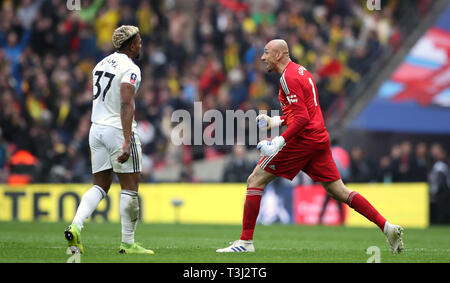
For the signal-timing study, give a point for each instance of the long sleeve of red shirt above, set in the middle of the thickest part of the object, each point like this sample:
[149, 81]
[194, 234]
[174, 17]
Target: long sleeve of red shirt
[298, 119]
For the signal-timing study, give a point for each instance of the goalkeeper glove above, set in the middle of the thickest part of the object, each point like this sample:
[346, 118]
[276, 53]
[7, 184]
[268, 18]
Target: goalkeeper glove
[270, 121]
[268, 148]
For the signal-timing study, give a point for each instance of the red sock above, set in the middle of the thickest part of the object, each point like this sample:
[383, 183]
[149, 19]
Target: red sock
[251, 211]
[361, 205]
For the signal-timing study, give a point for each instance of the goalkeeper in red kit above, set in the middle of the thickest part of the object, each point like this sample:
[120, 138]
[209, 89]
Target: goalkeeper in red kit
[305, 145]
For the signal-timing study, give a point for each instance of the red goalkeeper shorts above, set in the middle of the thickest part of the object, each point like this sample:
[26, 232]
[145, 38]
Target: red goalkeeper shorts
[316, 161]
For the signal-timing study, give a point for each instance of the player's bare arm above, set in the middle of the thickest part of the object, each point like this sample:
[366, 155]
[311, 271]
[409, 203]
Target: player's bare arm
[126, 116]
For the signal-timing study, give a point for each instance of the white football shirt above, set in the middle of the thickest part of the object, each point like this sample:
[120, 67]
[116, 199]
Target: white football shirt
[108, 75]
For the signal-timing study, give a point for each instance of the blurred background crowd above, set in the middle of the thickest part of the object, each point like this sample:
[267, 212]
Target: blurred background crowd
[192, 51]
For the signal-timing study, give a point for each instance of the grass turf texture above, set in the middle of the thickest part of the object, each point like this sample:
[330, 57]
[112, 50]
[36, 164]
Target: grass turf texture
[44, 242]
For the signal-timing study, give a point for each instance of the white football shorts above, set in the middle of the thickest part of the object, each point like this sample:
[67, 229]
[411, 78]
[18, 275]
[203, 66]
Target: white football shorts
[106, 146]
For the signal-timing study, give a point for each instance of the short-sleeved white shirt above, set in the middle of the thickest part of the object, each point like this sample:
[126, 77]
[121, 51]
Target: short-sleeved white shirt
[108, 75]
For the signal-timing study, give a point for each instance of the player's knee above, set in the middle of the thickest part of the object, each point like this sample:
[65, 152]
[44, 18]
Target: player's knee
[250, 180]
[254, 182]
[106, 189]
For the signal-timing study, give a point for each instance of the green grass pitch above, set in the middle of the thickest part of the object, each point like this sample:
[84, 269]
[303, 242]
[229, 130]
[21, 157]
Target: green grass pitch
[44, 242]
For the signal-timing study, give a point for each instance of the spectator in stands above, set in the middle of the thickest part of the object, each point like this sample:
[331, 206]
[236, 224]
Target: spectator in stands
[105, 24]
[27, 11]
[421, 163]
[439, 180]
[187, 174]
[89, 11]
[14, 47]
[384, 172]
[238, 168]
[360, 168]
[403, 166]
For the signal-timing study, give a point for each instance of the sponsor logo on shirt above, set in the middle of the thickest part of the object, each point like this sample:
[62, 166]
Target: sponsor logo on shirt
[291, 98]
[301, 70]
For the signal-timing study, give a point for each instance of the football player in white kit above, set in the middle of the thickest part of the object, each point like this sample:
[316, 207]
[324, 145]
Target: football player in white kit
[115, 146]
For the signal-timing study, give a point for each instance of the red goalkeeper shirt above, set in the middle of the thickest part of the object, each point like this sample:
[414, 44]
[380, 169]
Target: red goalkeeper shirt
[300, 105]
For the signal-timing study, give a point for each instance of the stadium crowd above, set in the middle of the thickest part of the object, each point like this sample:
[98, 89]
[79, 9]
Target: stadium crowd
[209, 53]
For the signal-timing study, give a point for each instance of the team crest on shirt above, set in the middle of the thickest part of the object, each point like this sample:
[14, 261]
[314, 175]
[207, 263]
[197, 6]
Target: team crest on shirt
[301, 70]
[133, 78]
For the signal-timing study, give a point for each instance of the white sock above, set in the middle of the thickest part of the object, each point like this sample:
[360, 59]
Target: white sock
[386, 227]
[129, 214]
[89, 203]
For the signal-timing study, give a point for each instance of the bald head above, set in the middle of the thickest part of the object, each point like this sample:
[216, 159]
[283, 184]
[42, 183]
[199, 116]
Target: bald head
[279, 45]
[276, 55]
